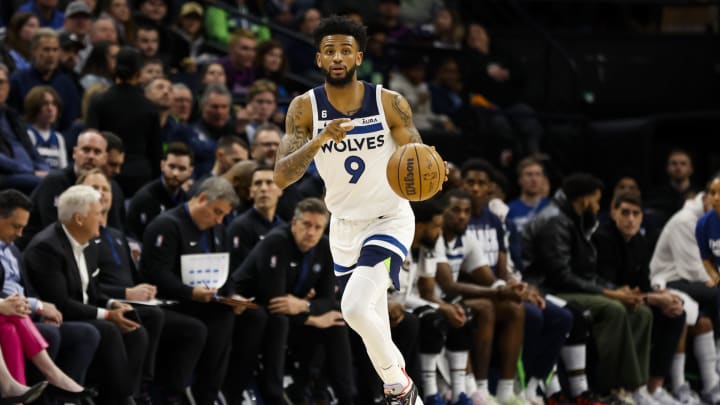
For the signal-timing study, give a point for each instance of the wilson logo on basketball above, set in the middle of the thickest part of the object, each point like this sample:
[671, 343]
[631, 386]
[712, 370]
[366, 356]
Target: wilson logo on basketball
[409, 178]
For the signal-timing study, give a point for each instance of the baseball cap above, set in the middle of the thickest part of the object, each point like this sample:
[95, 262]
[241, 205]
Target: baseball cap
[68, 40]
[77, 7]
[191, 8]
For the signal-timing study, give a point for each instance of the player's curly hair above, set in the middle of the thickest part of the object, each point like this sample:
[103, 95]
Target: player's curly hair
[341, 25]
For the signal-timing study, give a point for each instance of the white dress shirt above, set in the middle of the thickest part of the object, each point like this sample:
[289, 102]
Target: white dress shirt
[78, 252]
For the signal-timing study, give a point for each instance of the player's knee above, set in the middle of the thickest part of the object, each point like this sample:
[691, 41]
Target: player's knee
[354, 310]
[433, 329]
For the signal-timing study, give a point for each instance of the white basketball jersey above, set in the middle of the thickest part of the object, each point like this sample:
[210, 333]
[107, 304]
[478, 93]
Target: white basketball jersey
[354, 170]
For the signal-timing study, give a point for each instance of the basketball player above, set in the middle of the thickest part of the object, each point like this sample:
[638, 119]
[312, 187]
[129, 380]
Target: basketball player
[350, 129]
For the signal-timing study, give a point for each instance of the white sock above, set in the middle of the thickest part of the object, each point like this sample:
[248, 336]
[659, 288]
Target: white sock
[458, 363]
[553, 386]
[482, 386]
[531, 387]
[504, 390]
[428, 364]
[677, 371]
[706, 356]
[578, 384]
[470, 384]
[573, 356]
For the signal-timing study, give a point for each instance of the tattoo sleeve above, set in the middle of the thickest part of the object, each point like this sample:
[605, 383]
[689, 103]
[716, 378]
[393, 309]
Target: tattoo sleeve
[402, 108]
[297, 149]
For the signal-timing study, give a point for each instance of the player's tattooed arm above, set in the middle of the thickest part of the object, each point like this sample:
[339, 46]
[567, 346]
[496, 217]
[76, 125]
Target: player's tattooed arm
[399, 117]
[296, 149]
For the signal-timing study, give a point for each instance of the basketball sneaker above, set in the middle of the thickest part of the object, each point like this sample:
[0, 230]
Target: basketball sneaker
[395, 395]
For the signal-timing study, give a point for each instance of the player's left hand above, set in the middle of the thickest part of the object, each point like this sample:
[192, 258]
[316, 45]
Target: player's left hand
[288, 305]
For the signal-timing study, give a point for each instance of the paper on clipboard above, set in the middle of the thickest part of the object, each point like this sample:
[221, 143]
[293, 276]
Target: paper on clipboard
[205, 269]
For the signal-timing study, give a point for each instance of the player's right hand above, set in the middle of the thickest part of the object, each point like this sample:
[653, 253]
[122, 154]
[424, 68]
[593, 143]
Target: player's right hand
[334, 131]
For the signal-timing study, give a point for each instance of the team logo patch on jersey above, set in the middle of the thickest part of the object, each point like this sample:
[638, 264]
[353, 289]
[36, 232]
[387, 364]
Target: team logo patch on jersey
[159, 241]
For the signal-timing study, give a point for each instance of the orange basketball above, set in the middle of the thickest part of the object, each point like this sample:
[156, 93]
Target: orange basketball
[415, 172]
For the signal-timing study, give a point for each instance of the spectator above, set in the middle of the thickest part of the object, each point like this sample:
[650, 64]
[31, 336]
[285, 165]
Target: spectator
[115, 158]
[150, 69]
[446, 29]
[44, 71]
[623, 259]
[194, 228]
[410, 82]
[496, 80]
[104, 30]
[169, 333]
[68, 283]
[42, 107]
[239, 62]
[14, 392]
[676, 263]
[446, 92]
[212, 72]
[560, 257]
[530, 173]
[301, 55]
[667, 199]
[46, 11]
[69, 60]
[262, 107]
[187, 40]
[158, 92]
[389, 17]
[249, 228]
[304, 323]
[148, 42]
[89, 153]
[220, 24]
[78, 22]
[181, 106]
[240, 176]
[138, 126]
[265, 146]
[161, 194]
[71, 344]
[21, 165]
[100, 65]
[214, 123]
[271, 64]
[119, 12]
[154, 13]
[20, 32]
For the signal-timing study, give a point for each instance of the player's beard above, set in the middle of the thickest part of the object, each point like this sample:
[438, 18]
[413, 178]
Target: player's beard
[340, 81]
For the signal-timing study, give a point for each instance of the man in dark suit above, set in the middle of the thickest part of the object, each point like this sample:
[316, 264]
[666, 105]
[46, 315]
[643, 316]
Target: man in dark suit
[194, 228]
[72, 344]
[90, 152]
[169, 332]
[290, 272]
[246, 230]
[161, 194]
[70, 283]
[138, 125]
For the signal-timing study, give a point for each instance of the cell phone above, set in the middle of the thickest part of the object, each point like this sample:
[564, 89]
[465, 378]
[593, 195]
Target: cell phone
[133, 316]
